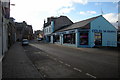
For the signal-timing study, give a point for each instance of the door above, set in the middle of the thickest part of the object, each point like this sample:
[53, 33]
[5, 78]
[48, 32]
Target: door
[98, 39]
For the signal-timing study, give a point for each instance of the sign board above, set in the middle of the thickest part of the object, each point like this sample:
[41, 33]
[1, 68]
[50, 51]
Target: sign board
[105, 31]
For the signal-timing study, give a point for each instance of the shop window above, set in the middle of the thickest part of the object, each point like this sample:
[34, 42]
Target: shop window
[49, 29]
[44, 30]
[98, 38]
[69, 38]
[56, 38]
[83, 38]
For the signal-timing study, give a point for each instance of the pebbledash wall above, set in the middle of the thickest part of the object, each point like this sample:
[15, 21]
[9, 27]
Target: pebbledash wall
[100, 33]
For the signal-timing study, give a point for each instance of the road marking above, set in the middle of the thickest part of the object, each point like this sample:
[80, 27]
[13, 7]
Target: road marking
[77, 69]
[67, 65]
[25, 50]
[44, 75]
[60, 61]
[55, 59]
[90, 75]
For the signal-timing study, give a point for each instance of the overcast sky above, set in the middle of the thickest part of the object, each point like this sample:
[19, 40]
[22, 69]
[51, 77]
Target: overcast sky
[35, 11]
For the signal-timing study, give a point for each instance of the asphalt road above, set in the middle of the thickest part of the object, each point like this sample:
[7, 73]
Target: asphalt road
[94, 62]
[50, 67]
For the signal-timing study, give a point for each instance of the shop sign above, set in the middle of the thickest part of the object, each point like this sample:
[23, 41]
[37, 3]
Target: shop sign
[105, 31]
[71, 31]
[57, 33]
[64, 32]
[67, 32]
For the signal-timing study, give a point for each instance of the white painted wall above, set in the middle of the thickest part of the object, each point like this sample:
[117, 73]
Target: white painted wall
[5, 36]
[47, 30]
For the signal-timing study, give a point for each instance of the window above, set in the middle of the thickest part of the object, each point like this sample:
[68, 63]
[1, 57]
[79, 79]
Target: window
[50, 29]
[69, 38]
[47, 30]
[44, 30]
[83, 38]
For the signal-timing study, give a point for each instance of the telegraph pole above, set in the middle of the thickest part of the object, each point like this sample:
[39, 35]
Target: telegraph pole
[101, 11]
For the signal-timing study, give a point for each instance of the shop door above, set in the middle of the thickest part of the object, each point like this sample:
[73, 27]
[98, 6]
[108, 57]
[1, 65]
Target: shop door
[49, 38]
[83, 38]
[98, 39]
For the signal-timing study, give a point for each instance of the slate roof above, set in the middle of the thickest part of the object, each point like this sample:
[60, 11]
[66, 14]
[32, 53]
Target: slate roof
[59, 22]
[49, 21]
[80, 24]
[62, 21]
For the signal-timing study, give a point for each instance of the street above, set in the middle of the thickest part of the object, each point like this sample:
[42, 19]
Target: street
[63, 39]
[56, 61]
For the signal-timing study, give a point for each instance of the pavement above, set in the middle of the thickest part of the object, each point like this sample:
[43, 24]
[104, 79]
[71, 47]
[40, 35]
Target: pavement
[16, 64]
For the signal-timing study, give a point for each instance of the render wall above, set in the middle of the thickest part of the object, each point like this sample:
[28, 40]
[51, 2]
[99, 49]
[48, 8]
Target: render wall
[109, 32]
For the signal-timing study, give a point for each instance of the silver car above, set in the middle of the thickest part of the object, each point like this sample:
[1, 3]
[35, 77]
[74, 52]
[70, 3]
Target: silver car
[25, 42]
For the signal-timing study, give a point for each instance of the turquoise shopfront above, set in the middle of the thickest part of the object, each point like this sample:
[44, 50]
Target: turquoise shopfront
[96, 31]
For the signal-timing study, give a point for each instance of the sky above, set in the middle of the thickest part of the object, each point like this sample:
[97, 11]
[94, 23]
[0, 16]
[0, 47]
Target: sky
[34, 12]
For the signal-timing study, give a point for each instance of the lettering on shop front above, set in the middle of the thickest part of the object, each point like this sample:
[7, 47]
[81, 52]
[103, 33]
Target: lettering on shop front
[108, 31]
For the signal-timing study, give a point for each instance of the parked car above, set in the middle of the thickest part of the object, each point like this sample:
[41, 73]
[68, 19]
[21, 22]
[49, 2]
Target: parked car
[25, 42]
[39, 39]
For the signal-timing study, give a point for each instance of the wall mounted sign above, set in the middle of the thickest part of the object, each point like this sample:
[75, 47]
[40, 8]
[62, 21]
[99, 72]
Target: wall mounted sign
[106, 31]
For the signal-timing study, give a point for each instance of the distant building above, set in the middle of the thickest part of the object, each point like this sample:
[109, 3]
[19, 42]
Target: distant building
[96, 31]
[11, 32]
[20, 28]
[30, 32]
[38, 34]
[24, 31]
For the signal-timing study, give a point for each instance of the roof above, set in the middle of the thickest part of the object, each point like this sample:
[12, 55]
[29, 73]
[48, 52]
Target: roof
[49, 19]
[62, 21]
[80, 24]
[58, 21]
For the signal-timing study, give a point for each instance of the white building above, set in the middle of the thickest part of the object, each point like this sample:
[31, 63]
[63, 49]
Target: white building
[4, 20]
[4, 15]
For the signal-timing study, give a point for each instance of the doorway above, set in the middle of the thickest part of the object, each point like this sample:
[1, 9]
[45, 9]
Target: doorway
[98, 39]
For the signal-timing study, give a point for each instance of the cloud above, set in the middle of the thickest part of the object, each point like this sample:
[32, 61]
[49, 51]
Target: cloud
[34, 11]
[91, 12]
[112, 18]
[82, 12]
[65, 10]
[87, 12]
[98, 3]
[80, 1]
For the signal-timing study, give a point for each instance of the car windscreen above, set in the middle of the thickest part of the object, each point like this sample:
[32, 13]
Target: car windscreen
[25, 40]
